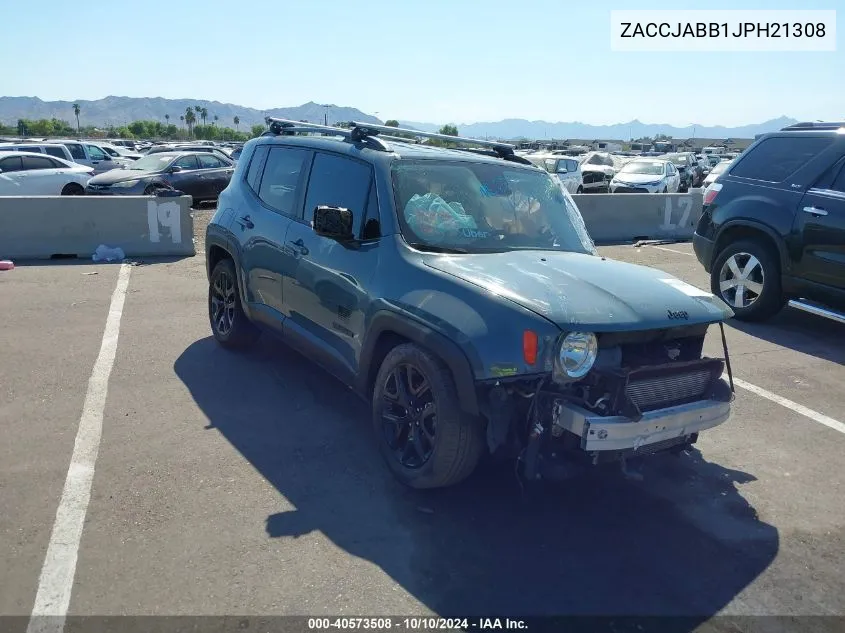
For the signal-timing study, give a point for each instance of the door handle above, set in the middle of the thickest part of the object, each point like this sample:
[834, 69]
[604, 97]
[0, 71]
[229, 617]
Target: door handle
[246, 222]
[300, 246]
[815, 211]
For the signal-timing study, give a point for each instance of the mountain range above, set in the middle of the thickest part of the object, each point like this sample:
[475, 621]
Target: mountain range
[120, 110]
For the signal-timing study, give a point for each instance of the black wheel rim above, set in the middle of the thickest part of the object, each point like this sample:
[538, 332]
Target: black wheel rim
[409, 416]
[223, 303]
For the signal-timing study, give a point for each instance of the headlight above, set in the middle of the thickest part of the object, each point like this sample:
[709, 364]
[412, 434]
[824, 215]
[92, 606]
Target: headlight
[577, 354]
[126, 183]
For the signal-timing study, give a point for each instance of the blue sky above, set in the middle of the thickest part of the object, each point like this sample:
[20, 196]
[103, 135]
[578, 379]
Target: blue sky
[437, 61]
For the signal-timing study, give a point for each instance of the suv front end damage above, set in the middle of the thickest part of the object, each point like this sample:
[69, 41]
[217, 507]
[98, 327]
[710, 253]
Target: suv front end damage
[645, 393]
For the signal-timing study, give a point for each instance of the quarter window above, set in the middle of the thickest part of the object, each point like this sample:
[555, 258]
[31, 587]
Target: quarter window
[776, 159]
[256, 168]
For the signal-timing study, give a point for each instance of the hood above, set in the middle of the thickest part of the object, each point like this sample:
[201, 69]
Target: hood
[116, 175]
[636, 179]
[587, 292]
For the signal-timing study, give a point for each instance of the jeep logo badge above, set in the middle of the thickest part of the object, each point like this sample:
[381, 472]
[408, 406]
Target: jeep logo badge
[680, 314]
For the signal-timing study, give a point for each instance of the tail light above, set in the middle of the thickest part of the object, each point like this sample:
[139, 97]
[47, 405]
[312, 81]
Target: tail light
[711, 192]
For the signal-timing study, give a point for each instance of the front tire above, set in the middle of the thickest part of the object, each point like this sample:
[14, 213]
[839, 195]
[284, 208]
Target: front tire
[229, 324]
[73, 189]
[423, 435]
[746, 276]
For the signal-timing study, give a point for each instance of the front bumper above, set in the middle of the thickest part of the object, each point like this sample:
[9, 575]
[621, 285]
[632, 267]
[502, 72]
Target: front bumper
[635, 188]
[619, 433]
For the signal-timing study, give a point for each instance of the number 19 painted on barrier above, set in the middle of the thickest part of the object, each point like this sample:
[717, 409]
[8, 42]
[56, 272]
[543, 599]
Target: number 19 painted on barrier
[167, 215]
[686, 207]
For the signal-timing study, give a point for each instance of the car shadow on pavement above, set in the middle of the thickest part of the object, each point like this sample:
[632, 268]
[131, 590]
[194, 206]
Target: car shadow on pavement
[800, 331]
[682, 542]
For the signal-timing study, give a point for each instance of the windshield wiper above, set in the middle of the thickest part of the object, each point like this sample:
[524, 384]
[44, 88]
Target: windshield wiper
[434, 248]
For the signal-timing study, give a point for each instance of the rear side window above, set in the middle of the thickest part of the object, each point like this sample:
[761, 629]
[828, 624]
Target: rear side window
[37, 162]
[572, 165]
[76, 150]
[776, 159]
[839, 183]
[337, 181]
[12, 163]
[279, 188]
[207, 161]
[55, 151]
[256, 167]
[187, 162]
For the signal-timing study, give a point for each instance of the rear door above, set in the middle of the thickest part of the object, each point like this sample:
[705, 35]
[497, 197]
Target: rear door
[11, 176]
[217, 173]
[42, 176]
[273, 196]
[77, 152]
[821, 223]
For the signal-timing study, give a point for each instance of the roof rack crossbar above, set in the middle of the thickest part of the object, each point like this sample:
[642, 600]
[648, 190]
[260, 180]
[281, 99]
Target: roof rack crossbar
[289, 127]
[369, 129]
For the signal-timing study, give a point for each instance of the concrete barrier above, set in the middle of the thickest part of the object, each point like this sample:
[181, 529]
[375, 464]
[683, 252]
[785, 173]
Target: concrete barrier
[40, 227]
[623, 217]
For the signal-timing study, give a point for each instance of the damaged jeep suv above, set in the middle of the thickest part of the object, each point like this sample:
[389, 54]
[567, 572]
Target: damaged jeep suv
[457, 290]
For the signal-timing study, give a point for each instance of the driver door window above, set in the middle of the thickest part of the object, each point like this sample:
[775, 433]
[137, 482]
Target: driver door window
[96, 153]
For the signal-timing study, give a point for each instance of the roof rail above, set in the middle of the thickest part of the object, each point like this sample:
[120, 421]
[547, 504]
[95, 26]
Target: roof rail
[816, 125]
[369, 129]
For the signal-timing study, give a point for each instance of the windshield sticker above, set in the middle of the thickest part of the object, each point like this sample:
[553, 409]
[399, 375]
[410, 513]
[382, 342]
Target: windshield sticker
[687, 289]
[466, 232]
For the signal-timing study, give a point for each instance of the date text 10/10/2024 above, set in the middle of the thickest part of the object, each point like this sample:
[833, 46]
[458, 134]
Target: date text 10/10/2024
[416, 624]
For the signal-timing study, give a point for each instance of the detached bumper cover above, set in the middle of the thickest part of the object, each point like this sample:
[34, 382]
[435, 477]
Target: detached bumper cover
[616, 433]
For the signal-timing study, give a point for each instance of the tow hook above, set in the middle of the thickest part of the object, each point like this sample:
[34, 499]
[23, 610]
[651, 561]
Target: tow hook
[630, 473]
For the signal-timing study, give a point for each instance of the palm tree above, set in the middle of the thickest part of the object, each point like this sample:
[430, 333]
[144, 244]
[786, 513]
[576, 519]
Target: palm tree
[167, 118]
[190, 118]
[76, 110]
[237, 122]
[203, 115]
[216, 118]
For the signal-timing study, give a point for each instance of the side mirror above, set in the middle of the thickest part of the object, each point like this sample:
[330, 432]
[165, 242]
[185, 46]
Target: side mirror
[175, 169]
[563, 170]
[334, 223]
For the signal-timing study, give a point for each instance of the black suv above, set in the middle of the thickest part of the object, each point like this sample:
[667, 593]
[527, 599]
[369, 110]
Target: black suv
[773, 225]
[458, 290]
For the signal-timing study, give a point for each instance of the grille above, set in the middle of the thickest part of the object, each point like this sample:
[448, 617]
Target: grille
[654, 393]
[630, 190]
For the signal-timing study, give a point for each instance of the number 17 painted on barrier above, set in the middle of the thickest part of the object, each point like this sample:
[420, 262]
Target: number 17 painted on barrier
[167, 215]
[686, 207]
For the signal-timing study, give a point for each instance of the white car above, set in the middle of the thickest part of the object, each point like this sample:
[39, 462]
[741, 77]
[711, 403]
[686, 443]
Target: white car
[87, 153]
[564, 168]
[59, 151]
[34, 174]
[646, 175]
[717, 169]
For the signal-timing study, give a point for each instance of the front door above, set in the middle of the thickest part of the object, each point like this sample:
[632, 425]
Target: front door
[325, 290]
[275, 180]
[821, 223]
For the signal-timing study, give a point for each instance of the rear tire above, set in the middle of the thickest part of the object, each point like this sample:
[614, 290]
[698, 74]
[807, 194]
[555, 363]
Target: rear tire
[73, 189]
[229, 324]
[754, 294]
[424, 437]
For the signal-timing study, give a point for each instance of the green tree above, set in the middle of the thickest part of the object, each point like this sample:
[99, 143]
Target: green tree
[392, 123]
[257, 130]
[76, 110]
[449, 130]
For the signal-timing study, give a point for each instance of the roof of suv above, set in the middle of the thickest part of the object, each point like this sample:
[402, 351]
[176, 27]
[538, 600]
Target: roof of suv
[409, 150]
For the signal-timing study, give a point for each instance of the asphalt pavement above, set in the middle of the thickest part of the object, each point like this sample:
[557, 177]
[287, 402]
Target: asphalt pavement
[250, 484]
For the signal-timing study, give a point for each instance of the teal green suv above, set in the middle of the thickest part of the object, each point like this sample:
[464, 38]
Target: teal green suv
[455, 287]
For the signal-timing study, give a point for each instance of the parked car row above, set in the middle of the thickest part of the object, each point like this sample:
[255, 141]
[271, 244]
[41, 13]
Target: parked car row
[39, 174]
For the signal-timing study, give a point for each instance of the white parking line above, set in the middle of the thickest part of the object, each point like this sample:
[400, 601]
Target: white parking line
[56, 580]
[815, 416]
[671, 250]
